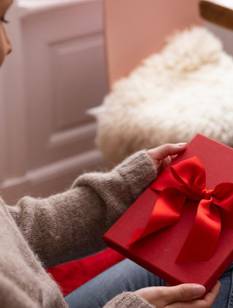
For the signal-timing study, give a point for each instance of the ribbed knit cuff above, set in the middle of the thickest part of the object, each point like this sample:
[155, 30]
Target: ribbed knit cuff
[128, 300]
[138, 171]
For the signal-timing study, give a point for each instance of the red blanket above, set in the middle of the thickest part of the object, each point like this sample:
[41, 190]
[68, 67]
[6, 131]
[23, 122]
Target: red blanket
[71, 275]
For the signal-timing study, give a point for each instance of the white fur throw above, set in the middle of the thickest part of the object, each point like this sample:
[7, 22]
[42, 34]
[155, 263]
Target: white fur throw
[185, 89]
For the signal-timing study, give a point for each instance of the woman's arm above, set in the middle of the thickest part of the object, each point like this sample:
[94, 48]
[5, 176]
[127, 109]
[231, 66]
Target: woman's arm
[71, 224]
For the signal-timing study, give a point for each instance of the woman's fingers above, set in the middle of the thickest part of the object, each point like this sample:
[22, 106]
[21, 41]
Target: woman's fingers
[182, 293]
[211, 296]
[165, 150]
[166, 161]
[188, 295]
[163, 296]
[205, 302]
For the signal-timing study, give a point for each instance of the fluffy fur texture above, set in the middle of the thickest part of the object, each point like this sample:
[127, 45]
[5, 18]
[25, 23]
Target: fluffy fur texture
[185, 89]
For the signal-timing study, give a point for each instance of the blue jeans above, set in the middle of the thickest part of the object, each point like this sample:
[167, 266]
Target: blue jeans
[128, 276]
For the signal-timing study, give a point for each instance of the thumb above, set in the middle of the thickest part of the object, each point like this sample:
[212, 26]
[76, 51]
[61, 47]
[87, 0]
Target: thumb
[183, 293]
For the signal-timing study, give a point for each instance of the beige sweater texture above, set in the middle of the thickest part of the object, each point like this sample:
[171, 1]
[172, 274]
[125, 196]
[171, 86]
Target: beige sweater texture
[36, 233]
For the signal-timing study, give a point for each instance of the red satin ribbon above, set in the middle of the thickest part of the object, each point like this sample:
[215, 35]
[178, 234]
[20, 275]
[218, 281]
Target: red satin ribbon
[182, 181]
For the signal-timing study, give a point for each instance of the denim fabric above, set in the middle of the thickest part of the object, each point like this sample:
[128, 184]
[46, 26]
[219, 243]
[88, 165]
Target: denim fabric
[128, 276]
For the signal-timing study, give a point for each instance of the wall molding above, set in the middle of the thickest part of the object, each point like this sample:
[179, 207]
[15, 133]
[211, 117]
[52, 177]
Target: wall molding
[53, 178]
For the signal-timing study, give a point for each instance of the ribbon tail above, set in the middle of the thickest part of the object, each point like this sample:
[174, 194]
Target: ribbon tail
[204, 235]
[166, 211]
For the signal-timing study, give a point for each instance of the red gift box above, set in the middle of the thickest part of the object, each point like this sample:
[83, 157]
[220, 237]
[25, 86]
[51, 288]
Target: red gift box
[181, 227]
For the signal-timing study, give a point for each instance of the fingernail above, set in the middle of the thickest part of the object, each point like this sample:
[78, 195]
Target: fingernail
[198, 290]
[182, 144]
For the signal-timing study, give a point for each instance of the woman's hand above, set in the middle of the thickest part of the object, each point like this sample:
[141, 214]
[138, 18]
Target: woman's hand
[163, 154]
[181, 296]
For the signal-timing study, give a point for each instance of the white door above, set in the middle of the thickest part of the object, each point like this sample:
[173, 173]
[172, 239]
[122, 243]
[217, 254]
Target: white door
[57, 73]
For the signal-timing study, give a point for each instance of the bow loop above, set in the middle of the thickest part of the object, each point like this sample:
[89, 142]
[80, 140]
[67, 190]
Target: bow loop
[190, 174]
[166, 212]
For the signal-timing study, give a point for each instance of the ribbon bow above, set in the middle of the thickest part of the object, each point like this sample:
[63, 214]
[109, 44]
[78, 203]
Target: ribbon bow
[182, 181]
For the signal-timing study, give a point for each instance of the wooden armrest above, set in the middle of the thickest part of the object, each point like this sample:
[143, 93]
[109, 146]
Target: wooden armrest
[219, 12]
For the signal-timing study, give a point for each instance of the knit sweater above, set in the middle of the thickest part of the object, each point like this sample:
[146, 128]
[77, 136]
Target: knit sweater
[36, 233]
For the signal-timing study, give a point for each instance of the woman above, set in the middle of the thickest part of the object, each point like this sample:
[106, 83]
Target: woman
[71, 224]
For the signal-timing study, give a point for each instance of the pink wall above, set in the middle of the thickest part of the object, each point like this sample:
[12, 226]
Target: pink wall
[137, 28]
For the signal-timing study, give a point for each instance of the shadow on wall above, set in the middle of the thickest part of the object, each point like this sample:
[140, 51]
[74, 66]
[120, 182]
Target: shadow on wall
[225, 35]
[136, 29]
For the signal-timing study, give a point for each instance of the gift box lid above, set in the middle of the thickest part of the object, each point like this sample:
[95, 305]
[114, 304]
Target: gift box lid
[158, 251]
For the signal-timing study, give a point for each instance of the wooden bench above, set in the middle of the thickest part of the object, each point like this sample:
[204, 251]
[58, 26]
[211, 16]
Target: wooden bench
[219, 12]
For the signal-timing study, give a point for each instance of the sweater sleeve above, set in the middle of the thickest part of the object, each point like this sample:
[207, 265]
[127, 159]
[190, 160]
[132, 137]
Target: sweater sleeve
[128, 300]
[71, 224]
